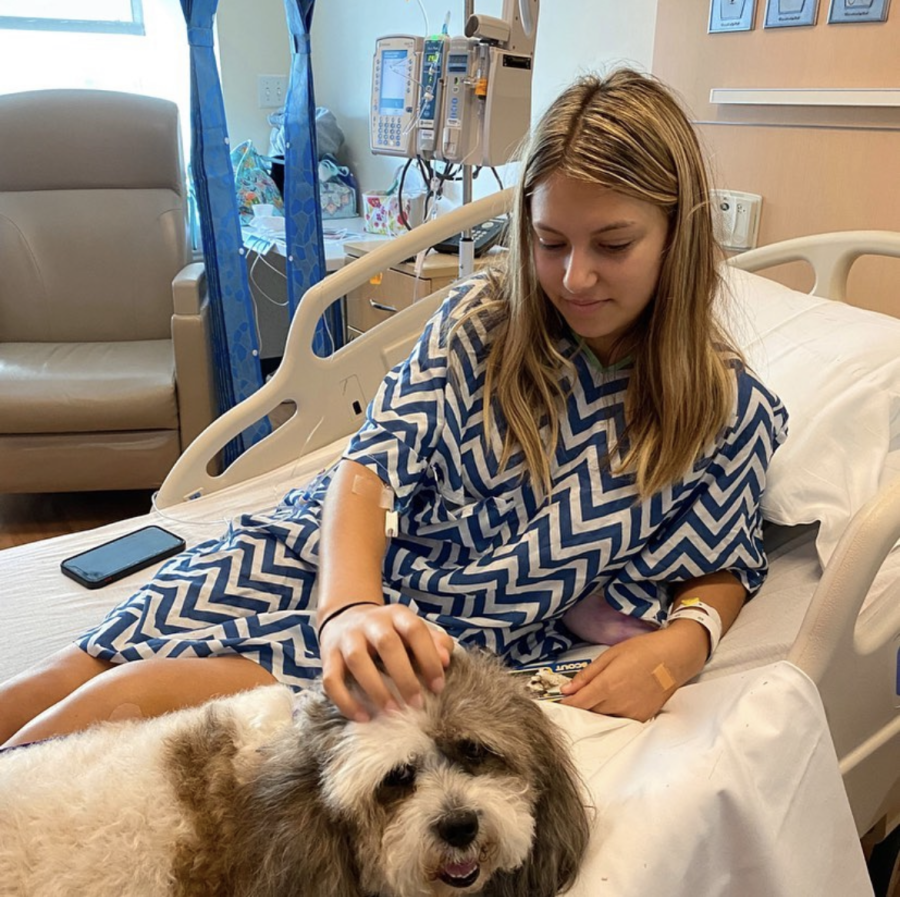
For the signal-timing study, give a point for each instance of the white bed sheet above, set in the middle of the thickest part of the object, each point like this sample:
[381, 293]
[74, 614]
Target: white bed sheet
[695, 802]
[733, 789]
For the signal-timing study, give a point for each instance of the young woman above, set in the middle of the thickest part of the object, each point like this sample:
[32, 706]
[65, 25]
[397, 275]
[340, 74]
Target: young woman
[573, 452]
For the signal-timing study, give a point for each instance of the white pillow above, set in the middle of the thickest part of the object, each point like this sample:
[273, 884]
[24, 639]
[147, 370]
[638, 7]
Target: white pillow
[837, 370]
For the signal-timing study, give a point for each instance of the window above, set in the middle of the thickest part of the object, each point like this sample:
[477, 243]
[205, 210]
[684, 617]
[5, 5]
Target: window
[103, 16]
[136, 46]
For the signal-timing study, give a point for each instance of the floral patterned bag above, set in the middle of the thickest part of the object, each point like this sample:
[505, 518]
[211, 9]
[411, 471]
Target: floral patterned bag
[252, 182]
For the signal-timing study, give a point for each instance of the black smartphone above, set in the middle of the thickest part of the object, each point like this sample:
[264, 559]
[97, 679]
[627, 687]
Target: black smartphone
[116, 559]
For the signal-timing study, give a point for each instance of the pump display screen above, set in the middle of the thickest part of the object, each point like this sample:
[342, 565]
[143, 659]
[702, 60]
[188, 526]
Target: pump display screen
[394, 76]
[432, 72]
[458, 62]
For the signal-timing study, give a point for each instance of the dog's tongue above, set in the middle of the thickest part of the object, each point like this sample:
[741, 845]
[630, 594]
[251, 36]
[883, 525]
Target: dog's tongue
[460, 870]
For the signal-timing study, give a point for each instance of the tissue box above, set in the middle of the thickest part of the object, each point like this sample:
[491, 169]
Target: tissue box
[383, 215]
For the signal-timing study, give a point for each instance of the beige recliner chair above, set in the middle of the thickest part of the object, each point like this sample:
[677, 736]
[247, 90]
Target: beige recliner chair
[105, 370]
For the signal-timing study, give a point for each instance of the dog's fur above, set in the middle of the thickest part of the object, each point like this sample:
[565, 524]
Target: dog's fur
[268, 794]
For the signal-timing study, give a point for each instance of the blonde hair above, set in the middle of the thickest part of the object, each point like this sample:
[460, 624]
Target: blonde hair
[625, 132]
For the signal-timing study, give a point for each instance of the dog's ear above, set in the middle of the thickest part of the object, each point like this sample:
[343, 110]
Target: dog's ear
[290, 842]
[562, 827]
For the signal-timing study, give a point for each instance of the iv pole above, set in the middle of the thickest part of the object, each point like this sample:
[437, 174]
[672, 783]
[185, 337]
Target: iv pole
[515, 33]
[466, 243]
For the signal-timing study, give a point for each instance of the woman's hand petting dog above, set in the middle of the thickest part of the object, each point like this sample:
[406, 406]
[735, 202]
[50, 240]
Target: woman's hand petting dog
[636, 677]
[366, 639]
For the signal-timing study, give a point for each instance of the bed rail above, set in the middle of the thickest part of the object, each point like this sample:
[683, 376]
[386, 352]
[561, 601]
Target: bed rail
[840, 646]
[842, 650]
[830, 255]
[344, 382]
[330, 394]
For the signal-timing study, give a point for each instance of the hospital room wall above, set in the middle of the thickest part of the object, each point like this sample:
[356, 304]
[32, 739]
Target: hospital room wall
[252, 40]
[344, 34]
[817, 169]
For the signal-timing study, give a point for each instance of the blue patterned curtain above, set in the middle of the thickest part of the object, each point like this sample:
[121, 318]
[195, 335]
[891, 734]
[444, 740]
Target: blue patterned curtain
[303, 214]
[235, 346]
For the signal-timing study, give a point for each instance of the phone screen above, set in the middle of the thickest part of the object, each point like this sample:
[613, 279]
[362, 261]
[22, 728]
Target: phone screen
[122, 556]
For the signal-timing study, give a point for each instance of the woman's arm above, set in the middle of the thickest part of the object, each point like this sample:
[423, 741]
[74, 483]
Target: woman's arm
[722, 592]
[636, 677]
[351, 554]
[352, 539]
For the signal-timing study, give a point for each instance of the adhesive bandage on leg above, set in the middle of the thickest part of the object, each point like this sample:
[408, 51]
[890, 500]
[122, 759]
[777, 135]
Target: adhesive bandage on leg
[126, 711]
[665, 679]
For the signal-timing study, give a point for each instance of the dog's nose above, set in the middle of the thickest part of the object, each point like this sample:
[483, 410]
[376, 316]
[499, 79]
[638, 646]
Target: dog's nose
[458, 828]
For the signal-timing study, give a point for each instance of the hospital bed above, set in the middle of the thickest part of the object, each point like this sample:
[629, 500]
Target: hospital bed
[759, 778]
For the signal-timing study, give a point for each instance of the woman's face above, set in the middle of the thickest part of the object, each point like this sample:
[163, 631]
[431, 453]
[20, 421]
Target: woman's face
[598, 255]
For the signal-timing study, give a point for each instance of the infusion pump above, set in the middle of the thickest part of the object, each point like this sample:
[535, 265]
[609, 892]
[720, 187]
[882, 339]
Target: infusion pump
[395, 95]
[463, 99]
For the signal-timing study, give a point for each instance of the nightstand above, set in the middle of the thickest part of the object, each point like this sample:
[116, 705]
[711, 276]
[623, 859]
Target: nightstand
[395, 289]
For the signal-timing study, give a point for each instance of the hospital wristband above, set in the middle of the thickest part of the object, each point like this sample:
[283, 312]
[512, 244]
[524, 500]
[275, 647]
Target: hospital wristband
[707, 616]
[338, 611]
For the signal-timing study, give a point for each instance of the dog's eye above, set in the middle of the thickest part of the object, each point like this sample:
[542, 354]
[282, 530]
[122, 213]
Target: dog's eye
[400, 776]
[471, 754]
[473, 751]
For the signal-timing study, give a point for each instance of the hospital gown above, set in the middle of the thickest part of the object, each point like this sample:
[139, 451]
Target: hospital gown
[479, 551]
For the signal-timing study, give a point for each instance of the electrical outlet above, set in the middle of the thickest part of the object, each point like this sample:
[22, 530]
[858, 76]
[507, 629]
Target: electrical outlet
[736, 218]
[272, 90]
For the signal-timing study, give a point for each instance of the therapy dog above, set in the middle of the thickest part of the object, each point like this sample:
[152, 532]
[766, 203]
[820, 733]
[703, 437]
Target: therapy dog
[268, 793]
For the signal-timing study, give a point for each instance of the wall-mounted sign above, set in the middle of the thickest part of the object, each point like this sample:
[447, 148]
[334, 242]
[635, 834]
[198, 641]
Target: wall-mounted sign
[858, 11]
[788, 13]
[731, 15]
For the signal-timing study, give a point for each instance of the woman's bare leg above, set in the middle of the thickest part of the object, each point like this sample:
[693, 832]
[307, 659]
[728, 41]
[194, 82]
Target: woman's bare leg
[144, 688]
[27, 695]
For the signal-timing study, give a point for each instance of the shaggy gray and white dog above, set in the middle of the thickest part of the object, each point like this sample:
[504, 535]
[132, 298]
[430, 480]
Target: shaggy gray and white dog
[267, 794]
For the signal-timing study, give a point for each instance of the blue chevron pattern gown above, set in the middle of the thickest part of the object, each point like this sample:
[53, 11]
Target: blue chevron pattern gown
[478, 552]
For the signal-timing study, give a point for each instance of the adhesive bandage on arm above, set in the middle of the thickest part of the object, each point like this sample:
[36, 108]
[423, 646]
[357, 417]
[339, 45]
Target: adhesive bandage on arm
[371, 487]
[664, 677]
[702, 613]
[383, 495]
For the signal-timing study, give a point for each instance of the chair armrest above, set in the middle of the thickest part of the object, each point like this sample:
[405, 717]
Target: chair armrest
[189, 289]
[197, 404]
